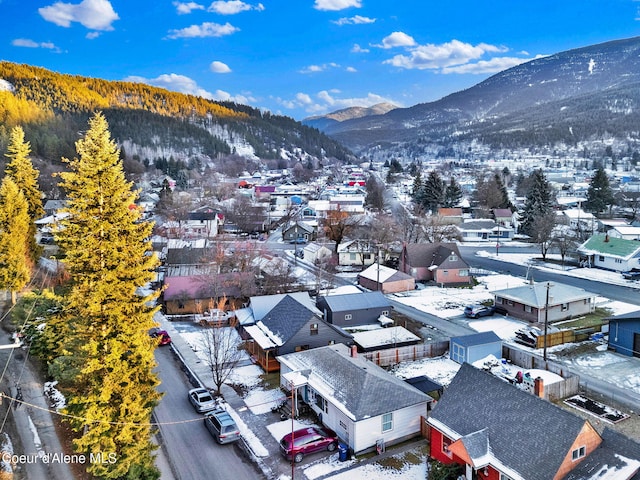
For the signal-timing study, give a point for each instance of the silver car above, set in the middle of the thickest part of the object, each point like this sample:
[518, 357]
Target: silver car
[221, 426]
[202, 400]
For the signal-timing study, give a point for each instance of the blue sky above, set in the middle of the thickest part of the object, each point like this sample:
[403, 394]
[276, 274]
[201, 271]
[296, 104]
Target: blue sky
[304, 57]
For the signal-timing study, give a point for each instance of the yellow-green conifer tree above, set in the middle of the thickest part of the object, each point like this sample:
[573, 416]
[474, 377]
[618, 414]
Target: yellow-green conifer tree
[15, 264]
[107, 257]
[25, 176]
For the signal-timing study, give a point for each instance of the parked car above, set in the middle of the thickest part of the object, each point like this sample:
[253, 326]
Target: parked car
[163, 337]
[631, 275]
[202, 400]
[307, 440]
[221, 426]
[299, 240]
[477, 311]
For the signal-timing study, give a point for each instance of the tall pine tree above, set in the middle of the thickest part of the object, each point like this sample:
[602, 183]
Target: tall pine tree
[25, 176]
[15, 263]
[114, 389]
[540, 201]
[433, 192]
[599, 193]
[452, 194]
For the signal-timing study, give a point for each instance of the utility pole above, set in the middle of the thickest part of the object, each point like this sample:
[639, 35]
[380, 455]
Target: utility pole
[546, 321]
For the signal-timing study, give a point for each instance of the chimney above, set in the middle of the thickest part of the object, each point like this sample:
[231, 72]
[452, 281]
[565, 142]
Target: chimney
[538, 387]
[606, 238]
[354, 351]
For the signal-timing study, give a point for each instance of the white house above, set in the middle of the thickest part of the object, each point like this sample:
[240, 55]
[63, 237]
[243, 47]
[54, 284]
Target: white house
[627, 232]
[314, 252]
[484, 231]
[365, 405]
[356, 253]
[604, 251]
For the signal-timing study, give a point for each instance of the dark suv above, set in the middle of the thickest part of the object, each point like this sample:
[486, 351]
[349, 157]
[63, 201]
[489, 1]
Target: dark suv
[477, 311]
[221, 426]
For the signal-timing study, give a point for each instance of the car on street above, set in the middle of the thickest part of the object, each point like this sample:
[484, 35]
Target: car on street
[297, 444]
[299, 240]
[202, 400]
[222, 426]
[477, 311]
[161, 335]
[631, 275]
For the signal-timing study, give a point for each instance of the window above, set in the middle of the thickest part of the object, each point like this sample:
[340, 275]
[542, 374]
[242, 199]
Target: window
[387, 422]
[463, 273]
[527, 308]
[453, 257]
[579, 453]
[313, 329]
[499, 300]
[600, 258]
[348, 316]
[505, 477]
[352, 256]
[618, 260]
[445, 446]
[510, 302]
[564, 307]
[300, 348]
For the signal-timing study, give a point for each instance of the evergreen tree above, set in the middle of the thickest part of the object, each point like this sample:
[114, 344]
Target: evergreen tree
[433, 191]
[599, 194]
[21, 170]
[15, 264]
[504, 195]
[452, 194]
[540, 201]
[114, 389]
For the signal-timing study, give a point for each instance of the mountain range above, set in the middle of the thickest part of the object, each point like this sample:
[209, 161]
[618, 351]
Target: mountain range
[581, 95]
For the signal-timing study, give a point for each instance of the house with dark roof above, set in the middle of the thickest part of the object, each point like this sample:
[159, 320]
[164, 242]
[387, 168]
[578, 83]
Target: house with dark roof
[624, 333]
[351, 309]
[548, 301]
[291, 324]
[498, 431]
[610, 253]
[434, 262]
[364, 404]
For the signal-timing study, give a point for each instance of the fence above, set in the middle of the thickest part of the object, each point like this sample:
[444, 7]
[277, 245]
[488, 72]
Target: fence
[392, 356]
[553, 391]
[566, 336]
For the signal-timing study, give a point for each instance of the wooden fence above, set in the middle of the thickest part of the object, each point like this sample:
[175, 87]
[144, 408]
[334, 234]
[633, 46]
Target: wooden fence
[554, 391]
[392, 356]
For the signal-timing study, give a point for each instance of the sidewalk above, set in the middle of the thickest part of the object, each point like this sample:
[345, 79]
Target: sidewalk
[259, 443]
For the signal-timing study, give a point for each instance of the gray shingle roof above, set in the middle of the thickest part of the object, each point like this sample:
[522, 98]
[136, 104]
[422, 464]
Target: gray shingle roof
[356, 301]
[288, 317]
[428, 254]
[616, 454]
[536, 295]
[481, 338]
[526, 433]
[364, 389]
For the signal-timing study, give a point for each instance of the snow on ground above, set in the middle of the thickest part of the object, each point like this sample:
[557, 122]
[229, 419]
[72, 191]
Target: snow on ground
[445, 303]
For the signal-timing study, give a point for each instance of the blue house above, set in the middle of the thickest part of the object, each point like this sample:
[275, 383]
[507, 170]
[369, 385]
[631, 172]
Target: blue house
[474, 347]
[624, 334]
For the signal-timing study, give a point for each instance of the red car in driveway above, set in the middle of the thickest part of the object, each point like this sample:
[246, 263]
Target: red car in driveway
[162, 336]
[307, 440]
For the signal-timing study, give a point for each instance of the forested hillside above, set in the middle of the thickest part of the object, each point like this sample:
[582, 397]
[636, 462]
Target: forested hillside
[52, 108]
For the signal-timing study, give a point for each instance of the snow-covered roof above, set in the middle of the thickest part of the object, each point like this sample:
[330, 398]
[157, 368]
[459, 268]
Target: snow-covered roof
[384, 336]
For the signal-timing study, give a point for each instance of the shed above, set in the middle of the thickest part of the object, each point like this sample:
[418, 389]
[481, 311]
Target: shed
[474, 347]
[380, 338]
[426, 385]
[624, 334]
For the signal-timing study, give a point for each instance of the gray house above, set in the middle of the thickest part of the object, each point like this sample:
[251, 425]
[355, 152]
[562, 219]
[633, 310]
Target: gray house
[530, 302]
[352, 309]
[624, 334]
[474, 347]
[290, 325]
[365, 405]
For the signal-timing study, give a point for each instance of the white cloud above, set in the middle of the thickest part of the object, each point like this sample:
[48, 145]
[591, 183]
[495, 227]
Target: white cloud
[28, 43]
[319, 68]
[358, 49]
[327, 100]
[494, 65]
[397, 39]
[351, 69]
[186, 85]
[92, 35]
[207, 29]
[335, 5]
[448, 54]
[92, 14]
[355, 20]
[219, 67]
[232, 7]
[185, 8]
